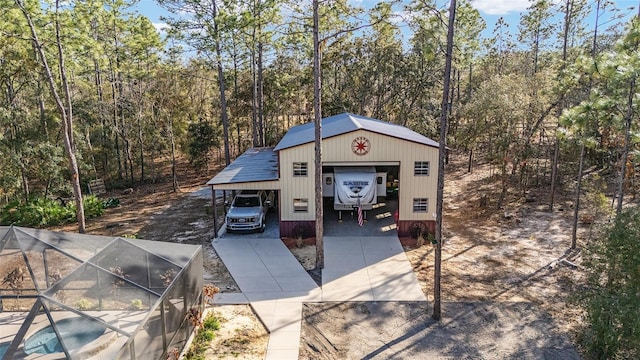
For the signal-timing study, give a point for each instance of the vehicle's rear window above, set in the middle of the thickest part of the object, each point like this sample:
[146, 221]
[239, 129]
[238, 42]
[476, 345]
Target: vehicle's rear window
[246, 202]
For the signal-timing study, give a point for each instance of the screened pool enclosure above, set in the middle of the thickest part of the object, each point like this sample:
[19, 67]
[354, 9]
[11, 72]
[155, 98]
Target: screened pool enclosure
[74, 296]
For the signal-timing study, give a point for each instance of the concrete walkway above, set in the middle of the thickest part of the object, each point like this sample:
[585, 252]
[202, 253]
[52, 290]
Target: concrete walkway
[276, 285]
[373, 268]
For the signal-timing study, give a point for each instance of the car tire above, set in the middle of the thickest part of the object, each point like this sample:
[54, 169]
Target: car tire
[263, 226]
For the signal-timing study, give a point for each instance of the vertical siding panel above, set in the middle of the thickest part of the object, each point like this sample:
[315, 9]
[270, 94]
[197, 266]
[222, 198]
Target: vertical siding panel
[297, 187]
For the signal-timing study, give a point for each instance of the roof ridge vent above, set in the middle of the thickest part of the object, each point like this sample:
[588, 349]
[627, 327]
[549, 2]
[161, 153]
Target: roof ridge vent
[355, 120]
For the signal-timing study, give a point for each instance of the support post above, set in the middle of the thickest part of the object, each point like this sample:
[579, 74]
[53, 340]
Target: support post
[215, 211]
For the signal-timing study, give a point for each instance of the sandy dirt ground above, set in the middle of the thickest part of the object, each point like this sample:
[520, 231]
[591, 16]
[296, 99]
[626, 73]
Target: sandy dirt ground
[505, 284]
[405, 330]
[240, 336]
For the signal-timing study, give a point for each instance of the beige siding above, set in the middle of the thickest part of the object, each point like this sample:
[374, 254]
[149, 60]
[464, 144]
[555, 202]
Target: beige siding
[261, 185]
[383, 149]
[299, 186]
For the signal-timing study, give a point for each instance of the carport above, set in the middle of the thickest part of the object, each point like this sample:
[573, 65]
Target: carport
[256, 169]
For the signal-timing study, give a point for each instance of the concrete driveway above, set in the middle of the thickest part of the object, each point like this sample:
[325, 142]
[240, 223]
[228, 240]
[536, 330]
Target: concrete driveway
[276, 285]
[371, 268]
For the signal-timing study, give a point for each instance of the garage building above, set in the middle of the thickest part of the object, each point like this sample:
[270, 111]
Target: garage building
[365, 163]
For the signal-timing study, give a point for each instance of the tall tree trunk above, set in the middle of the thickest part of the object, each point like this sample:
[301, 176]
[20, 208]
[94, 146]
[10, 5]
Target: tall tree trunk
[317, 108]
[576, 207]
[444, 114]
[114, 98]
[627, 140]
[141, 143]
[262, 123]
[65, 113]
[254, 98]
[224, 117]
[13, 135]
[25, 180]
[130, 160]
[174, 167]
[42, 111]
[554, 172]
[100, 95]
[556, 149]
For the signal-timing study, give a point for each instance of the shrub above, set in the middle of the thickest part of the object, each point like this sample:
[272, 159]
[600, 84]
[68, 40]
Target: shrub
[42, 212]
[610, 299]
[84, 304]
[211, 323]
[136, 304]
[37, 212]
[93, 207]
[207, 335]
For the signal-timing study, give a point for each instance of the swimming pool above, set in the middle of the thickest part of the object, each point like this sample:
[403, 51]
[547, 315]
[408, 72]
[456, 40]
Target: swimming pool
[76, 333]
[3, 348]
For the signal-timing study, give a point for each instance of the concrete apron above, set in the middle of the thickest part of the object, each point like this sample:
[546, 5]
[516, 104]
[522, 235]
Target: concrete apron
[372, 268]
[276, 285]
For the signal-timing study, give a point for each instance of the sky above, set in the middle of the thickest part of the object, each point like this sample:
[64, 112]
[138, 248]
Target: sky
[490, 10]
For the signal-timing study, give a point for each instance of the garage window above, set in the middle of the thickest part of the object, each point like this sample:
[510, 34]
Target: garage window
[420, 205]
[300, 205]
[421, 168]
[299, 169]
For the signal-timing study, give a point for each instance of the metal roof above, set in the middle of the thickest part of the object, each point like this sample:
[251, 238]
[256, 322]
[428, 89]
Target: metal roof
[345, 123]
[256, 164]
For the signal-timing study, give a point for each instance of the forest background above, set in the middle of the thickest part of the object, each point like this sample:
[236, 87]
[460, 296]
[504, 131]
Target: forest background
[134, 99]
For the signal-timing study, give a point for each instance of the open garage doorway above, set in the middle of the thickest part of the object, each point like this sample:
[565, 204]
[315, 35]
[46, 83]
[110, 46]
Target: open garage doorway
[378, 221]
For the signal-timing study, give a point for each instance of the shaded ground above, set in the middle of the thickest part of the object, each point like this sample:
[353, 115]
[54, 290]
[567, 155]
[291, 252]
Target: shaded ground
[405, 330]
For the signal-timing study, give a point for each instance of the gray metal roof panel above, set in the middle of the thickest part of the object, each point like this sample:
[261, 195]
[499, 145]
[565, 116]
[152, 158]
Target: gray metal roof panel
[256, 164]
[179, 254]
[345, 123]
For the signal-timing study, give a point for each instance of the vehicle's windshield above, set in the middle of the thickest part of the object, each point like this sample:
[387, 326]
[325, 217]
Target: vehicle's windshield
[246, 202]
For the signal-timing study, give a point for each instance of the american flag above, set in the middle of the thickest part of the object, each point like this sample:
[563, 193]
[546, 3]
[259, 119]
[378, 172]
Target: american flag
[360, 218]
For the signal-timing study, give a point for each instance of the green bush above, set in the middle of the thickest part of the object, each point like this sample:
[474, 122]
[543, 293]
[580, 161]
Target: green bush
[610, 298]
[93, 207]
[207, 335]
[42, 212]
[211, 323]
[38, 212]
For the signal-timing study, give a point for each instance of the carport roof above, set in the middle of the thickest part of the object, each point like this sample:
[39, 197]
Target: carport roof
[256, 164]
[345, 123]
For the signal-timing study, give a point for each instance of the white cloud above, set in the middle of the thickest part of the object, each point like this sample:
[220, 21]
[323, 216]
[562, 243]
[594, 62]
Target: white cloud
[500, 7]
[161, 27]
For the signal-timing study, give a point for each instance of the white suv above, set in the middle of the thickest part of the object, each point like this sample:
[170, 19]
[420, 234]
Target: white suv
[249, 209]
